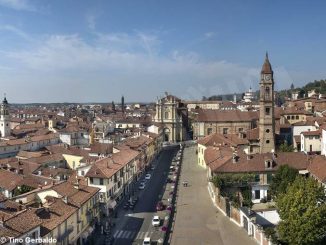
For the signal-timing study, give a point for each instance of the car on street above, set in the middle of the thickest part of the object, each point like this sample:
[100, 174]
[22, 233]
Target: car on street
[142, 186]
[148, 176]
[147, 241]
[159, 206]
[166, 144]
[156, 221]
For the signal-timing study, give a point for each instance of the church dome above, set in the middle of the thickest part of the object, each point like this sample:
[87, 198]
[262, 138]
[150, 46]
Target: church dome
[5, 101]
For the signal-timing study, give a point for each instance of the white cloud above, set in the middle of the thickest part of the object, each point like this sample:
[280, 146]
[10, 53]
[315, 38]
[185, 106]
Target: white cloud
[18, 5]
[130, 64]
[16, 31]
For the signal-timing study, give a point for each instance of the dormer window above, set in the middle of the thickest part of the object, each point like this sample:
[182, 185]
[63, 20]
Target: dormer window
[268, 164]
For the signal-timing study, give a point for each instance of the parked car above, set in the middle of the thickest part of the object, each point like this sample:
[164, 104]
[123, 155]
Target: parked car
[142, 186]
[166, 143]
[159, 206]
[147, 241]
[148, 176]
[156, 221]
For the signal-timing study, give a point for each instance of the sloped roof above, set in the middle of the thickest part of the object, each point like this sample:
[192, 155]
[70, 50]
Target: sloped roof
[317, 168]
[226, 116]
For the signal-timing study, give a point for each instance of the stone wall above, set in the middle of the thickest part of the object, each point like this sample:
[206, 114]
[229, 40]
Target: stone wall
[235, 215]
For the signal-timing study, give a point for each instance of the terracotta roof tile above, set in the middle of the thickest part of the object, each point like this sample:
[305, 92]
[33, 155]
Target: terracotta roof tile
[222, 139]
[9, 180]
[75, 196]
[317, 168]
[256, 163]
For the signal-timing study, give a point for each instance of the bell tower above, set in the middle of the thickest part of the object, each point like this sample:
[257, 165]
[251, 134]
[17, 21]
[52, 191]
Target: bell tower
[266, 112]
[4, 118]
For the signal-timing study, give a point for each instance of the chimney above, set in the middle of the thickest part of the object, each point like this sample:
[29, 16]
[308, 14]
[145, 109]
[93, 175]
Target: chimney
[234, 157]
[248, 156]
[65, 199]
[76, 184]
[2, 221]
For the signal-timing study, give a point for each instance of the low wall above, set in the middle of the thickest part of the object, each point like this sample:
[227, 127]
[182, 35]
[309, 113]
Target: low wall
[235, 215]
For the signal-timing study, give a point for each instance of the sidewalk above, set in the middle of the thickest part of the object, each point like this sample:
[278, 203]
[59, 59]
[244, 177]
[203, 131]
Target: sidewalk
[197, 220]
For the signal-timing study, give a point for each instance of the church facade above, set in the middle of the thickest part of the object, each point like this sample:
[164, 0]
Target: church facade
[171, 113]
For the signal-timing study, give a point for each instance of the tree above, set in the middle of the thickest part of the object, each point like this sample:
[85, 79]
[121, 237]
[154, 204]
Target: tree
[22, 189]
[286, 148]
[283, 177]
[302, 209]
[302, 94]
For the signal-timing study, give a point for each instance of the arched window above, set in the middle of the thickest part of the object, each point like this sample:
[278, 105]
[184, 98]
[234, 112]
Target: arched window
[267, 93]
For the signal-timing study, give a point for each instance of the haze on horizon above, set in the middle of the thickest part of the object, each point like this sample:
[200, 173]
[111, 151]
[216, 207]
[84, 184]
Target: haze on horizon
[97, 51]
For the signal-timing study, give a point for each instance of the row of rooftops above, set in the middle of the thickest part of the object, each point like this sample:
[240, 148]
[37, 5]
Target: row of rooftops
[225, 154]
[18, 219]
[210, 115]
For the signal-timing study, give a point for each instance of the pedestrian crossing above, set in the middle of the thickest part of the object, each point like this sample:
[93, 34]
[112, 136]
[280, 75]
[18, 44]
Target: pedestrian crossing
[123, 234]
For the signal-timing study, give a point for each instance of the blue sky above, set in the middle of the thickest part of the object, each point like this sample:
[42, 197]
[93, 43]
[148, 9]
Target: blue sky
[98, 50]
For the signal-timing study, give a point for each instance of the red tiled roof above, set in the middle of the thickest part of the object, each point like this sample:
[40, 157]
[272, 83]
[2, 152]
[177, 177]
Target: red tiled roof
[317, 168]
[296, 160]
[76, 196]
[311, 133]
[107, 167]
[226, 116]
[222, 139]
[9, 180]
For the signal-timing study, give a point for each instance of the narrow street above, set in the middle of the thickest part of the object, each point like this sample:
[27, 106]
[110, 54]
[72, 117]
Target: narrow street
[197, 220]
[132, 226]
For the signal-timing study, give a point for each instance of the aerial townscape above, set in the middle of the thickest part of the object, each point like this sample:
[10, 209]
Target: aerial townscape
[96, 149]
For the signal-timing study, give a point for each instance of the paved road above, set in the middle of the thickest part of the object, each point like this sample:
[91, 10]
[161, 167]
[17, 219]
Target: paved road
[133, 227]
[197, 220]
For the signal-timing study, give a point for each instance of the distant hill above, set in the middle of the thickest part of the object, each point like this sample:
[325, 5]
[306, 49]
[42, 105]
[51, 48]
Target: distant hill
[228, 97]
[318, 85]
